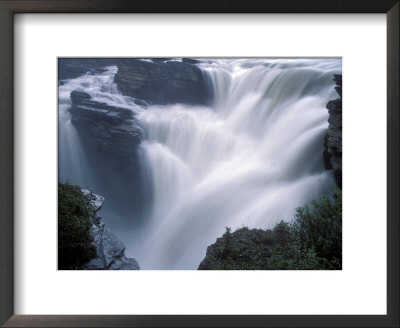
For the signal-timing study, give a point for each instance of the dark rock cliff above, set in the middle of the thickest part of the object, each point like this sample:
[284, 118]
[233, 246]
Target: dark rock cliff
[110, 137]
[333, 137]
[154, 81]
[162, 82]
[109, 129]
[110, 251]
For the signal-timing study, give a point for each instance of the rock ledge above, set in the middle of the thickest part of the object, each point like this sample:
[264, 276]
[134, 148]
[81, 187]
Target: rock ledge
[110, 250]
[333, 137]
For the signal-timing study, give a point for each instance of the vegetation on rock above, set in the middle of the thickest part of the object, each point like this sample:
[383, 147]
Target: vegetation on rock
[313, 241]
[75, 217]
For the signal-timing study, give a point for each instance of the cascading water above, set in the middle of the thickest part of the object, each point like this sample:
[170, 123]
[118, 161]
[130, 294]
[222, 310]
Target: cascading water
[73, 164]
[249, 159]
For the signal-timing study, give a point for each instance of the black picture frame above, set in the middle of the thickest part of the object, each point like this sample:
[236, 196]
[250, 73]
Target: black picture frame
[10, 7]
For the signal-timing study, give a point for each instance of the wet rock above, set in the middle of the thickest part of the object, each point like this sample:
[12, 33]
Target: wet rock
[96, 201]
[153, 81]
[110, 139]
[190, 60]
[163, 82]
[105, 128]
[78, 96]
[338, 80]
[333, 139]
[109, 249]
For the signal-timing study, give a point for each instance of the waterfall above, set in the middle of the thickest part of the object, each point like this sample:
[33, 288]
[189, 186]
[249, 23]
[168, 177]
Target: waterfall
[249, 159]
[73, 164]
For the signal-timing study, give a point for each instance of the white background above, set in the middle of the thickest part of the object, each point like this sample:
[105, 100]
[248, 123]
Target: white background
[360, 288]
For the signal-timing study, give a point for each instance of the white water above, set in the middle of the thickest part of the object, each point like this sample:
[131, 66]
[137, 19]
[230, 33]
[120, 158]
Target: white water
[250, 159]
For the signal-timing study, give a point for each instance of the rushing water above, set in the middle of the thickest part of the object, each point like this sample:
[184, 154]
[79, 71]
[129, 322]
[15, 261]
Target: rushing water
[249, 159]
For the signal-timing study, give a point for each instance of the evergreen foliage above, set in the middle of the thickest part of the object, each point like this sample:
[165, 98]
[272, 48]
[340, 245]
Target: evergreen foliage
[75, 216]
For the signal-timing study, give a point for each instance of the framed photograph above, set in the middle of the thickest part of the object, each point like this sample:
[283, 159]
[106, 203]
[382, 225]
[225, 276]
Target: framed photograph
[169, 142]
[179, 164]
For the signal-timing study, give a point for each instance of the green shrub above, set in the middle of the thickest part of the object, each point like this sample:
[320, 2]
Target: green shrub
[313, 241]
[75, 217]
[318, 225]
[282, 233]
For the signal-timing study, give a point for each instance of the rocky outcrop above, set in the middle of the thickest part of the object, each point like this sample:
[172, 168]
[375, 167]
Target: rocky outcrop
[333, 138]
[106, 128]
[153, 81]
[312, 241]
[161, 81]
[244, 249]
[110, 251]
[110, 138]
[95, 201]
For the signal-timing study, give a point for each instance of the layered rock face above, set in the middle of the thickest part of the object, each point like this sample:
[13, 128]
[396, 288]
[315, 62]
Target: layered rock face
[162, 81]
[110, 138]
[155, 81]
[110, 250]
[108, 129]
[333, 137]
